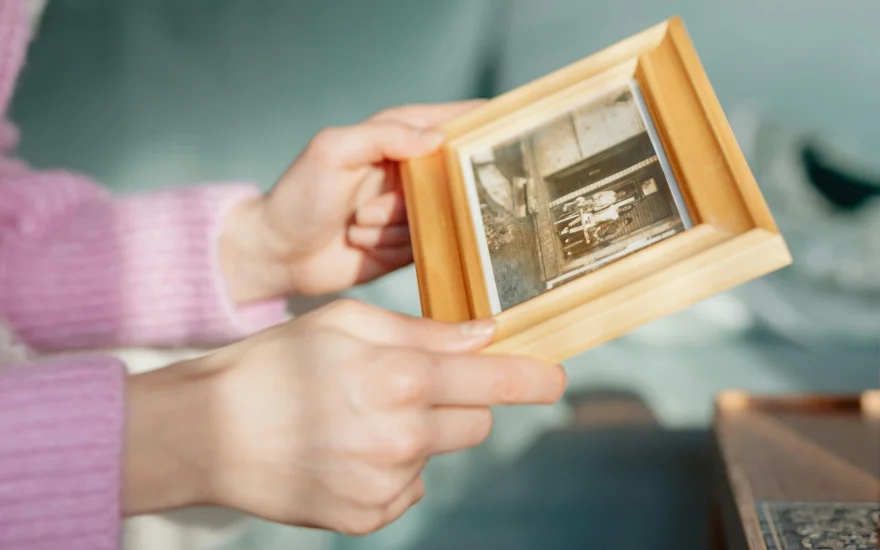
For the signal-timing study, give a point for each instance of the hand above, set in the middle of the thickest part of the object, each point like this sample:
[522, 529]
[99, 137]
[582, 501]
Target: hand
[326, 421]
[337, 217]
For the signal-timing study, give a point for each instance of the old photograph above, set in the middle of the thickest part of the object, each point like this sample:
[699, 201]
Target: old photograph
[570, 196]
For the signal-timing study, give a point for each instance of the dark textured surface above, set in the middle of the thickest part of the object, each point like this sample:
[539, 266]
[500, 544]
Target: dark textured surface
[820, 525]
[616, 488]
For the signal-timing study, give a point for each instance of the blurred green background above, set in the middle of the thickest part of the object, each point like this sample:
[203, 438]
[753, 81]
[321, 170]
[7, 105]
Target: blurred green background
[144, 94]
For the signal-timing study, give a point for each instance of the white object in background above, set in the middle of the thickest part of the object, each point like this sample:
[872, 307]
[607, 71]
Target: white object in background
[718, 318]
[12, 350]
[831, 292]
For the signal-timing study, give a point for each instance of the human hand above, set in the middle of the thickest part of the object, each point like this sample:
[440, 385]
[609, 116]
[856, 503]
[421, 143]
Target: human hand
[336, 218]
[326, 421]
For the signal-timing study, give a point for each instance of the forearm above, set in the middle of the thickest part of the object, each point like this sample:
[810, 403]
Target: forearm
[81, 270]
[168, 453]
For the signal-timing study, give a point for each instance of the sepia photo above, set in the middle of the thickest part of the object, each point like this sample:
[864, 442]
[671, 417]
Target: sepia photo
[571, 195]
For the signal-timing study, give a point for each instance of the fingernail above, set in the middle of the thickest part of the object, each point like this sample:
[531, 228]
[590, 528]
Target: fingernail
[479, 328]
[372, 215]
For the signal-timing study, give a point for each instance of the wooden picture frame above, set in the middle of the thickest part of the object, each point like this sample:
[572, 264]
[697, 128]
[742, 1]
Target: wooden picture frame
[727, 235]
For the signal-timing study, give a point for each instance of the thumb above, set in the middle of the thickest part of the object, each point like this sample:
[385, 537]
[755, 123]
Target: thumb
[374, 141]
[389, 328]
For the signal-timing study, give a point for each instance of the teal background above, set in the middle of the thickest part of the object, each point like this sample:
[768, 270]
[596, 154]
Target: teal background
[149, 93]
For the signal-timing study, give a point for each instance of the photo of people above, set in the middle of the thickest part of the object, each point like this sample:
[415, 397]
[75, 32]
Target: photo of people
[570, 196]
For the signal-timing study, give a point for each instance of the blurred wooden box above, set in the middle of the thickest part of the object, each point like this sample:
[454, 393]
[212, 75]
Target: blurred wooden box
[798, 472]
[541, 249]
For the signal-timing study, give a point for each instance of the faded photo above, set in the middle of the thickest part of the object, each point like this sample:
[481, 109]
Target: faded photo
[580, 191]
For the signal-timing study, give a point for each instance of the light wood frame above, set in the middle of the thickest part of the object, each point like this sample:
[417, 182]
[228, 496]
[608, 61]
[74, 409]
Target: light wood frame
[734, 238]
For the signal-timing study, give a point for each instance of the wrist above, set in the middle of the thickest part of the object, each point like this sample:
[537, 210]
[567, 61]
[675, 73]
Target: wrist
[168, 460]
[250, 256]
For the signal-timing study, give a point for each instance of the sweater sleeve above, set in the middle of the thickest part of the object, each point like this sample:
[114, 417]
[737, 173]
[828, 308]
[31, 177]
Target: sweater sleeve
[82, 270]
[61, 445]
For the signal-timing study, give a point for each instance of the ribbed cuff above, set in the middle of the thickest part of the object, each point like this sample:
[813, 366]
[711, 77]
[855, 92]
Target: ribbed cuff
[61, 441]
[135, 271]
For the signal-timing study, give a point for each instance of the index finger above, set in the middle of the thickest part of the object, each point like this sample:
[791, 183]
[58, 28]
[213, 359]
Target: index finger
[393, 329]
[486, 380]
[366, 144]
[426, 115]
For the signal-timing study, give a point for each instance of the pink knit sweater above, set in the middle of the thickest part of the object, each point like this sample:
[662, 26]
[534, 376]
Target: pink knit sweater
[79, 270]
